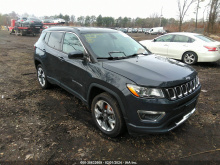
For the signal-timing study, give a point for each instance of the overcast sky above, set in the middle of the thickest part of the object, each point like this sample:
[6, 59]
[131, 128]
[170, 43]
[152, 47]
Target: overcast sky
[113, 8]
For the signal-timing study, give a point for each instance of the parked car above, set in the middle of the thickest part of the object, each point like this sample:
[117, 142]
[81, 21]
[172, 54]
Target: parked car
[125, 30]
[143, 29]
[48, 21]
[140, 30]
[188, 47]
[129, 30]
[33, 22]
[147, 30]
[59, 20]
[20, 21]
[134, 30]
[155, 30]
[123, 84]
[162, 32]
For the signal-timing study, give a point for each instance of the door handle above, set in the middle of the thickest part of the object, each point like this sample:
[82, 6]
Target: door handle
[61, 58]
[165, 45]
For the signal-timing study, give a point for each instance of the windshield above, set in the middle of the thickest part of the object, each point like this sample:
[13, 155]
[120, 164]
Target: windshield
[204, 38]
[115, 44]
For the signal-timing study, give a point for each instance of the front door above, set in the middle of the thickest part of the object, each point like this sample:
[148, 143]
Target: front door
[160, 45]
[74, 71]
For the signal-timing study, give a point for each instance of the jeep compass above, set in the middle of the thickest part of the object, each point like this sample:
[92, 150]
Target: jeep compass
[125, 85]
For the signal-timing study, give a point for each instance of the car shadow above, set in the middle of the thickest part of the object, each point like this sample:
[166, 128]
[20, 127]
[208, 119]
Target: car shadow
[207, 64]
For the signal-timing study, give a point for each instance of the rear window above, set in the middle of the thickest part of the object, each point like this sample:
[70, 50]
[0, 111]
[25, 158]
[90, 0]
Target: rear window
[204, 38]
[55, 40]
[180, 38]
[34, 19]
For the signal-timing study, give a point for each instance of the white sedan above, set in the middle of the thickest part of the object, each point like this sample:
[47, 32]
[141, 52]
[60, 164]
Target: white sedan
[59, 20]
[188, 47]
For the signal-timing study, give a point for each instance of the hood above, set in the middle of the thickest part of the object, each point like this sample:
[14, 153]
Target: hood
[152, 70]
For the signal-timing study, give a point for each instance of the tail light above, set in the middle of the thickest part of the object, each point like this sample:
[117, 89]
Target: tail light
[32, 21]
[22, 20]
[211, 48]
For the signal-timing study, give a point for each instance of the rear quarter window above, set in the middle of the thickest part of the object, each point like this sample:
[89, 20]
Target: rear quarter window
[46, 39]
[55, 40]
[180, 38]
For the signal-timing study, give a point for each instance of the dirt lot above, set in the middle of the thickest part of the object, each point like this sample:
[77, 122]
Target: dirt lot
[52, 126]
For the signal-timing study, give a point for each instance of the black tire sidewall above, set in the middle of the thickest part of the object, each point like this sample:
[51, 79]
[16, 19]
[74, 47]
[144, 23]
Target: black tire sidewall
[119, 126]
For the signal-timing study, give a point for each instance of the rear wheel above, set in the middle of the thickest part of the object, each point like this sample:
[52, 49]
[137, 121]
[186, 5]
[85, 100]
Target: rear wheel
[41, 76]
[107, 115]
[190, 58]
[23, 33]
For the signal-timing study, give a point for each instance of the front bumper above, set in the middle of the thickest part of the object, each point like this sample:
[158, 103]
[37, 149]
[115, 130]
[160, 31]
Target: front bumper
[177, 112]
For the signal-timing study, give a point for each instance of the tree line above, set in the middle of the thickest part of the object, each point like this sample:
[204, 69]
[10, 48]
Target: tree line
[154, 20]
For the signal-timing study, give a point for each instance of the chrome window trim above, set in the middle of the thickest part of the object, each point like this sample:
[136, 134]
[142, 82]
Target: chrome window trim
[63, 38]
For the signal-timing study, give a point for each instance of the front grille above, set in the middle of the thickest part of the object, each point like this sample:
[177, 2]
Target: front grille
[183, 89]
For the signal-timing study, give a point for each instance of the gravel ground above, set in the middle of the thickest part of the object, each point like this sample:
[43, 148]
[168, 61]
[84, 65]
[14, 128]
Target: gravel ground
[53, 127]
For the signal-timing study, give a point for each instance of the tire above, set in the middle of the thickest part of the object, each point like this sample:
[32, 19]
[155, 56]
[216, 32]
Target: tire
[42, 77]
[190, 58]
[23, 33]
[107, 115]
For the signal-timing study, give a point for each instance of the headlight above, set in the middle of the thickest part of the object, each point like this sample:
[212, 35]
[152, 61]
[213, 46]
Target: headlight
[145, 92]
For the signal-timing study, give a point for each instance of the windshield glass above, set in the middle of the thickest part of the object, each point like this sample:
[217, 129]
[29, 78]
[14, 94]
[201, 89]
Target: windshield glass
[115, 44]
[204, 38]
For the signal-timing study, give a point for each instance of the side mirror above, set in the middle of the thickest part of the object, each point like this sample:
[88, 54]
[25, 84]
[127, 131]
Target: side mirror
[154, 40]
[76, 55]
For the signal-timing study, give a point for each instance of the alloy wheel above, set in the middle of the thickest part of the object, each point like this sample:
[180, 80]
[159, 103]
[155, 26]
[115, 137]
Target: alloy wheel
[189, 58]
[105, 115]
[41, 77]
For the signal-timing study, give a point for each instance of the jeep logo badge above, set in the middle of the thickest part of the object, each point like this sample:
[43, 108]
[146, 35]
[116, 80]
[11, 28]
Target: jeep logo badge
[187, 78]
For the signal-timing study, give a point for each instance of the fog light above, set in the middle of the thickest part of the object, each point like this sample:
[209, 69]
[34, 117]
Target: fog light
[151, 116]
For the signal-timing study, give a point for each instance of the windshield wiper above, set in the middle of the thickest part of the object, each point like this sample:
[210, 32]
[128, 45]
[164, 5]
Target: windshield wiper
[116, 52]
[136, 54]
[111, 58]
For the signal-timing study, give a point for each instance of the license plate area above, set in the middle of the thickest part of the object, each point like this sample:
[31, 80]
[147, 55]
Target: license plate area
[190, 106]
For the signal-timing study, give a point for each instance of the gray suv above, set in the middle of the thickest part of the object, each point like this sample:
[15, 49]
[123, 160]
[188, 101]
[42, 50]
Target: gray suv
[125, 86]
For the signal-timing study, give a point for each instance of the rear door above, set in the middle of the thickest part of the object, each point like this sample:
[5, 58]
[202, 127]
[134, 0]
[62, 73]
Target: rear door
[180, 44]
[52, 50]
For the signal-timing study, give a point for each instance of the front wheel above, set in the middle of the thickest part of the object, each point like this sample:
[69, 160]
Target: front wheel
[190, 58]
[107, 115]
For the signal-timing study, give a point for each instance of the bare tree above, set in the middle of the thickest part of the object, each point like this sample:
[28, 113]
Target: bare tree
[197, 10]
[183, 9]
[213, 13]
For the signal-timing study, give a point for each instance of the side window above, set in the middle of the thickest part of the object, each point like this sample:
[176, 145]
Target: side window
[55, 40]
[179, 38]
[46, 39]
[166, 38]
[42, 36]
[71, 43]
[191, 40]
